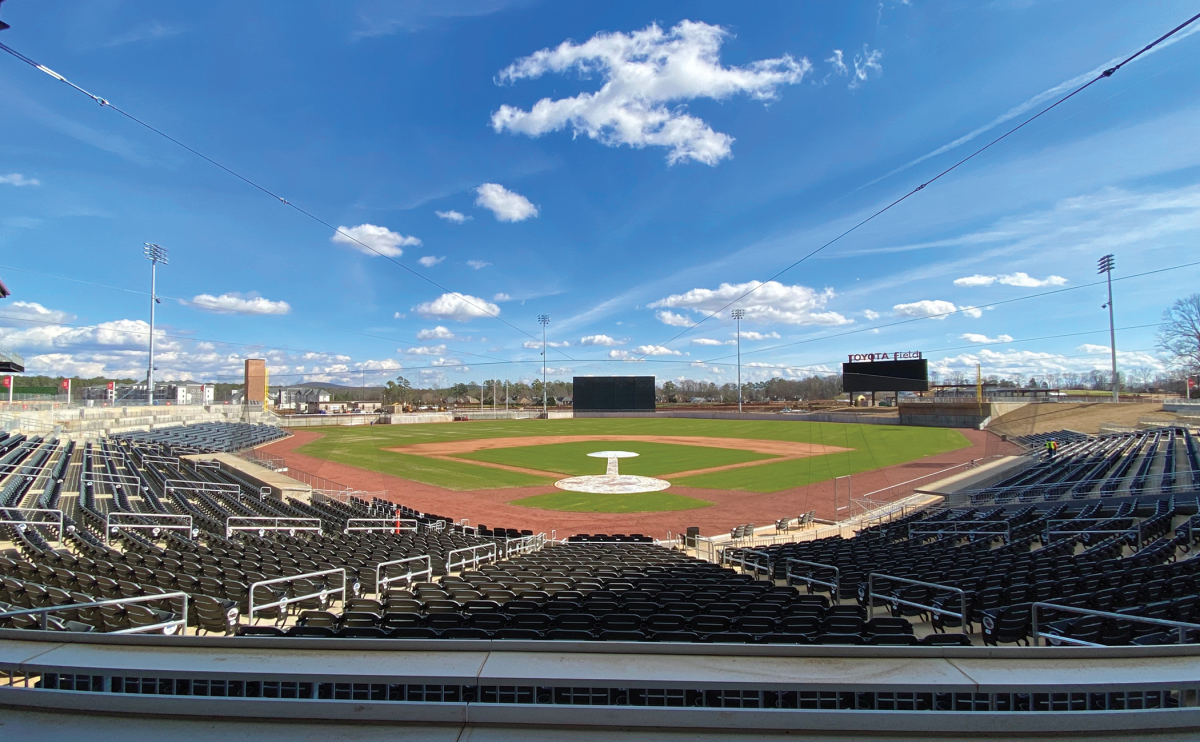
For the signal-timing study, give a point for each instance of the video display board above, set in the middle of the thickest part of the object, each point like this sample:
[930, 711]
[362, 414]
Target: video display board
[614, 393]
[886, 376]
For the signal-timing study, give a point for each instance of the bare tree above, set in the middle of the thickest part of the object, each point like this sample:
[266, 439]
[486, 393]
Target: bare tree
[1179, 335]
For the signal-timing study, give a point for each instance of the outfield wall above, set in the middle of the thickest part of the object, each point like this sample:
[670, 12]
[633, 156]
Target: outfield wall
[809, 417]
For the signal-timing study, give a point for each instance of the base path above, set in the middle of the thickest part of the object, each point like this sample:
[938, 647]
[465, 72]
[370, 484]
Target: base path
[730, 507]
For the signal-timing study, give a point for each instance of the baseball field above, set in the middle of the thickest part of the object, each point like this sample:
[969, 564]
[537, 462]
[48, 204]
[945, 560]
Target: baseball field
[698, 456]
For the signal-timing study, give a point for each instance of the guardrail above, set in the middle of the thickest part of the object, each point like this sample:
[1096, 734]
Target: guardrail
[472, 556]
[916, 529]
[1181, 626]
[167, 627]
[395, 525]
[1135, 529]
[872, 595]
[740, 557]
[286, 600]
[22, 524]
[262, 524]
[182, 523]
[382, 580]
[524, 545]
[835, 586]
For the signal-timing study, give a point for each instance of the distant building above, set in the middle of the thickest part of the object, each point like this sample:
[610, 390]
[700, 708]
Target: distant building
[173, 393]
[298, 398]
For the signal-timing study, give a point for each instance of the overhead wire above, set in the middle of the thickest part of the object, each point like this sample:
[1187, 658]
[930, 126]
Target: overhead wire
[1103, 75]
[104, 103]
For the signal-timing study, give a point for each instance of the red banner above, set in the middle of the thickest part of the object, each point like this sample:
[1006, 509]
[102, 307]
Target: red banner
[66, 383]
[7, 381]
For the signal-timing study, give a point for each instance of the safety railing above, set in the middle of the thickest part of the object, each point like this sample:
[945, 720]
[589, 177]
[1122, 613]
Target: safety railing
[189, 485]
[1180, 626]
[21, 523]
[835, 587]
[470, 557]
[706, 549]
[263, 524]
[177, 626]
[395, 525]
[872, 595]
[963, 528]
[1049, 529]
[523, 545]
[383, 579]
[159, 522]
[324, 593]
[760, 562]
[880, 497]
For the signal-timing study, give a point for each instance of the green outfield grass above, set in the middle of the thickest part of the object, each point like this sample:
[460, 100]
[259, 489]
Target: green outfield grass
[655, 458]
[582, 502]
[875, 446]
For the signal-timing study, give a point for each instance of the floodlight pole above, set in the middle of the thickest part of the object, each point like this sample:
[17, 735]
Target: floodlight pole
[737, 314]
[155, 254]
[1106, 266]
[543, 320]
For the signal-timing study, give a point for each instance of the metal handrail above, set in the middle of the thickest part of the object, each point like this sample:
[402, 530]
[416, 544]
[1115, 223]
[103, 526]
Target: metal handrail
[21, 524]
[323, 593]
[524, 544]
[248, 523]
[835, 586]
[197, 486]
[476, 558]
[871, 595]
[382, 581]
[1135, 528]
[179, 622]
[111, 528]
[933, 530]
[728, 556]
[395, 525]
[1180, 625]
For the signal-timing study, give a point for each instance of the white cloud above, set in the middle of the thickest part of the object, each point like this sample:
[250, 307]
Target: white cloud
[866, 64]
[647, 75]
[536, 345]
[501, 297]
[399, 315]
[17, 179]
[478, 264]
[453, 216]
[600, 340]
[838, 63]
[426, 350]
[870, 314]
[934, 309]
[771, 302]
[387, 364]
[711, 341]
[505, 204]
[377, 240]
[437, 333]
[30, 310]
[450, 362]
[667, 317]
[655, 350]
[974, 337]
[1096, 349]
[152, 30]
[233, 303]
[1028, 363]
[752, 335]
[430, 260]
[457, 307]
[560, 371]
[1024, 280]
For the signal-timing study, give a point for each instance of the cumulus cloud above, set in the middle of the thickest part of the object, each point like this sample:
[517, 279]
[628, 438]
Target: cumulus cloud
[426, 350]
[752, 335]
[370, 239]
[430, 260]
[771, 302]
[501, 297]
[600, 340]
[667, 317]
[647, 77]
[1023, 280]
[453, 216]
[13, 313]
[934, 309]
[974, 337]
[456, 307]
[536, 345]
[234, 303]
[18, 180]
[478, 264]
[870, 315]
[1028, 363]
[711, 341]
[506, 205]
[437, 333]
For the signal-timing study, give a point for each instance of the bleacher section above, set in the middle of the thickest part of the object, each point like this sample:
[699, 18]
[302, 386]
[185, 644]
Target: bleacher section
[208, 437]
[1156, 462]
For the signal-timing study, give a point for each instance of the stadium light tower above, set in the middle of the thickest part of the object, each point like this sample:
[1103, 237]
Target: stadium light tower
[543, 320]
[155, 254]
[1106, 266]
[737, 314]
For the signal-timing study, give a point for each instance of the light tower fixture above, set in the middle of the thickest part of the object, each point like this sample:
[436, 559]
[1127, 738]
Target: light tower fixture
[543, 320]
[737, 314]
[155, 254]
[1106, 265]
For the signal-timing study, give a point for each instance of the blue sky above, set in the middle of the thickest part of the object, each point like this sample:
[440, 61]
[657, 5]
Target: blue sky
[622, 167]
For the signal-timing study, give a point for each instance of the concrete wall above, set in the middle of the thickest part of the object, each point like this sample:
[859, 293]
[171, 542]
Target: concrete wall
[958, 414]
[813, 417]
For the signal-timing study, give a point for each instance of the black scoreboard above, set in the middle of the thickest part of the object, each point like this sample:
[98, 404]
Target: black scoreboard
[886, 376]
[614, 393]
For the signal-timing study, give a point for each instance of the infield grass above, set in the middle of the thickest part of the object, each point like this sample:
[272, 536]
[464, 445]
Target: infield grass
[653, 459]
[583, 502]
[874, 446]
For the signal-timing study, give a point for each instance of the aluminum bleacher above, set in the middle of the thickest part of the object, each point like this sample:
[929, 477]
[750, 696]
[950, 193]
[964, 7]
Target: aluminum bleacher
[213, 437]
